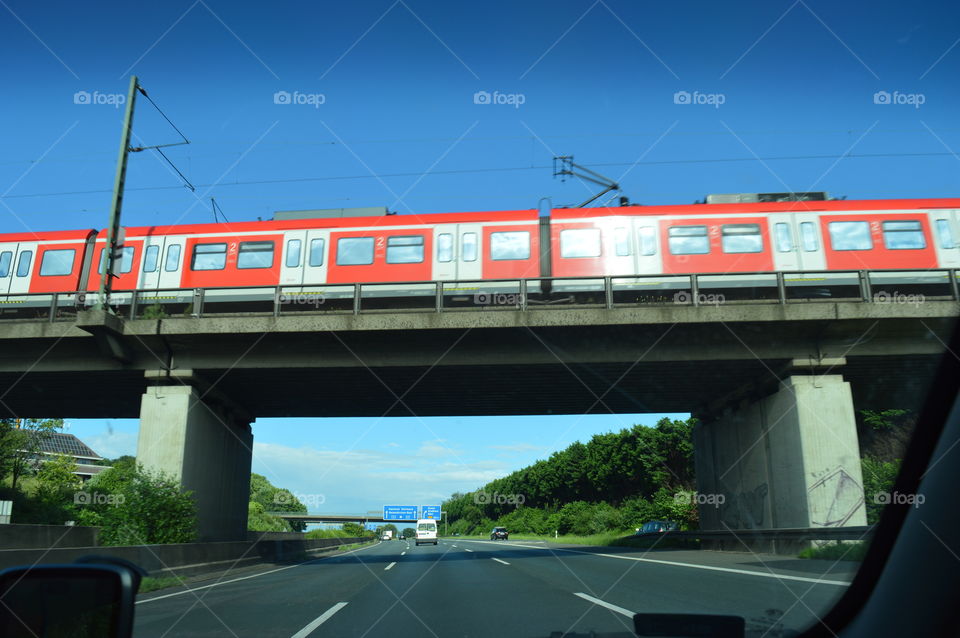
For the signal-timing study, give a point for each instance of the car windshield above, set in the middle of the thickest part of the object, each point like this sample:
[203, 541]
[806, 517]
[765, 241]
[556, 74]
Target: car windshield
[572, 297]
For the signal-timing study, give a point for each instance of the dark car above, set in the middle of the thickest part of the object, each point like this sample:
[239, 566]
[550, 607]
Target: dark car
[658, 527]
[499, 533]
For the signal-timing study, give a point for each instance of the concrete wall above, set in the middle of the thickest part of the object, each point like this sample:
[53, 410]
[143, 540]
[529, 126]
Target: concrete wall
[184, 559]
[789, 460]
[207, 448]
[43, 536]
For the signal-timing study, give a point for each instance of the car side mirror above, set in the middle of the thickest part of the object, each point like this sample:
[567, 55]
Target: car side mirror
[80, 601]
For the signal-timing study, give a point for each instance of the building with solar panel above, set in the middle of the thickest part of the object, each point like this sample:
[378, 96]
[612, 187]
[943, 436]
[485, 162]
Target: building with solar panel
[85, 458]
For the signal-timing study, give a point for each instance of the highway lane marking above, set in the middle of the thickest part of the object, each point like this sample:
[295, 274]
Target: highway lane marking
[234, 580]
[306, 631]
[390, 566]
[747, 572]
[402, 553]
[467, 550]
[500, 561]
[603, 603]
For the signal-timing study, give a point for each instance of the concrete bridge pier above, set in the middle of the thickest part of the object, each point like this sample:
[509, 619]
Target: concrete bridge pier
[788, 460]
[204, 441]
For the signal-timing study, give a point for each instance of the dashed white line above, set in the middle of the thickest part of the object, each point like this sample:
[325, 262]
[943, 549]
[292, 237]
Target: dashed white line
[603, 603]
[306, 631]
[500, 561]
[467, 550]
[389, 566]
[747, 572]
[233, 580]
[402, 553]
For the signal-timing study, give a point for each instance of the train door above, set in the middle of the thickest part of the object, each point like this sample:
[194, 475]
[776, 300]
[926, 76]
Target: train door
[172, 263]
[618, 254]
[784, 238]
[152, 263]
[7, 265]
[317, 254]
[469, 252]
[798, 243]
[22, 267]
[946, 237]
[291, 268]
[446, 257]
[648, 261]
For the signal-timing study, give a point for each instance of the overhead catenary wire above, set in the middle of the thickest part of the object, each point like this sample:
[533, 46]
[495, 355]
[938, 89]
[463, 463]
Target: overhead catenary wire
[293, 180]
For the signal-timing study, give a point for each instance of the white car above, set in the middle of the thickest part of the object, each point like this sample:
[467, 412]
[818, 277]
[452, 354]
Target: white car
[426, 531]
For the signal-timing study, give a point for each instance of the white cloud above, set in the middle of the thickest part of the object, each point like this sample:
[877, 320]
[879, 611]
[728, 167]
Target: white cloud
[111, 445]
[357, 481]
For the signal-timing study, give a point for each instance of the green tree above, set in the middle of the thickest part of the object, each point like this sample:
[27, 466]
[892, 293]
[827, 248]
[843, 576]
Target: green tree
[878, 479]
[275, 499]
[133, 506]
[409, 532]
[258, 520]
[56, 480]
[20, 445]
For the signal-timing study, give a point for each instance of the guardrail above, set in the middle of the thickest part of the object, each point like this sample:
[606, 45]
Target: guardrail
[852, 533]
[538, 293]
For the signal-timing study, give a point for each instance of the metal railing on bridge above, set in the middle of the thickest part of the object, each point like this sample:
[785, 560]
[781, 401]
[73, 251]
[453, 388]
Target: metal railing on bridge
[525, 294]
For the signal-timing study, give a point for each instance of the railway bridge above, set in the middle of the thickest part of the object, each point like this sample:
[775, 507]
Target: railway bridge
[776, 384]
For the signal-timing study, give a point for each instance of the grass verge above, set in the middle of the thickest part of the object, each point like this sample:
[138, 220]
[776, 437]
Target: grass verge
[837, 551]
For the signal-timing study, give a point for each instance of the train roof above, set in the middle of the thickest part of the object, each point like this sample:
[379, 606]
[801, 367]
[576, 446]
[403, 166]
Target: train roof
[334, 222]
[836, 205]
[49, 235]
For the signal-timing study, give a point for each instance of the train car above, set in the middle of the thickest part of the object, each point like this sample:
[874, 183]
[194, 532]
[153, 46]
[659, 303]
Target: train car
[326, 255]
[792, 237]
[44, 262]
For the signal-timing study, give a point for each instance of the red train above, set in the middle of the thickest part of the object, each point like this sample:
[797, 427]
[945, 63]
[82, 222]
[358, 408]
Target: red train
[621, 241]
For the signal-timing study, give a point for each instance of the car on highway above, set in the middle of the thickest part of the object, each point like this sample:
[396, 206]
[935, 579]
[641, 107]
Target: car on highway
[499, 533]
[657, 527]
[426, 531]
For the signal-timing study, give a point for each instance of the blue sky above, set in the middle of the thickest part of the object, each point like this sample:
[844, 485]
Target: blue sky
[297, 105]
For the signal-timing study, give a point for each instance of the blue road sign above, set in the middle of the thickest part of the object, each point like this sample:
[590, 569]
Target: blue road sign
[399, 512]
[430, 511]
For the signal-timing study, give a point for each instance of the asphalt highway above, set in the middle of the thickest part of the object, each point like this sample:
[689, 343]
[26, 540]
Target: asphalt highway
[505, 589]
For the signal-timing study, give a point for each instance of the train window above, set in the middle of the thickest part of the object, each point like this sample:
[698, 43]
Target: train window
[209, 257]
[405, 249]
[468, 247]
[648, 241]
[621, 241]
[5, 258]
[57, 262]
[150, 258]
[688, 240]
[741, 238]
[354, 251]
[293, 253]
[444, 247]
[904, 235]
[23, 264]
[580, 242]
[808, 235]
[513, 244]
[783, 236]
[255, 254]
[126, 260]
[173, 258]
[943, 231]
[850, 235]
[316, 251]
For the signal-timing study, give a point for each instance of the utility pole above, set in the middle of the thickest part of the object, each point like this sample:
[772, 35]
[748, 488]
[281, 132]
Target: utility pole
[114, 241]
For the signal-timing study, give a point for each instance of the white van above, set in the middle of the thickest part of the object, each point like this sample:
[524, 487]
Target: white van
[426, 531]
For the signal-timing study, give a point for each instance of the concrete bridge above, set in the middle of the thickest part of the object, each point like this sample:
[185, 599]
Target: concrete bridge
[775, 385]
